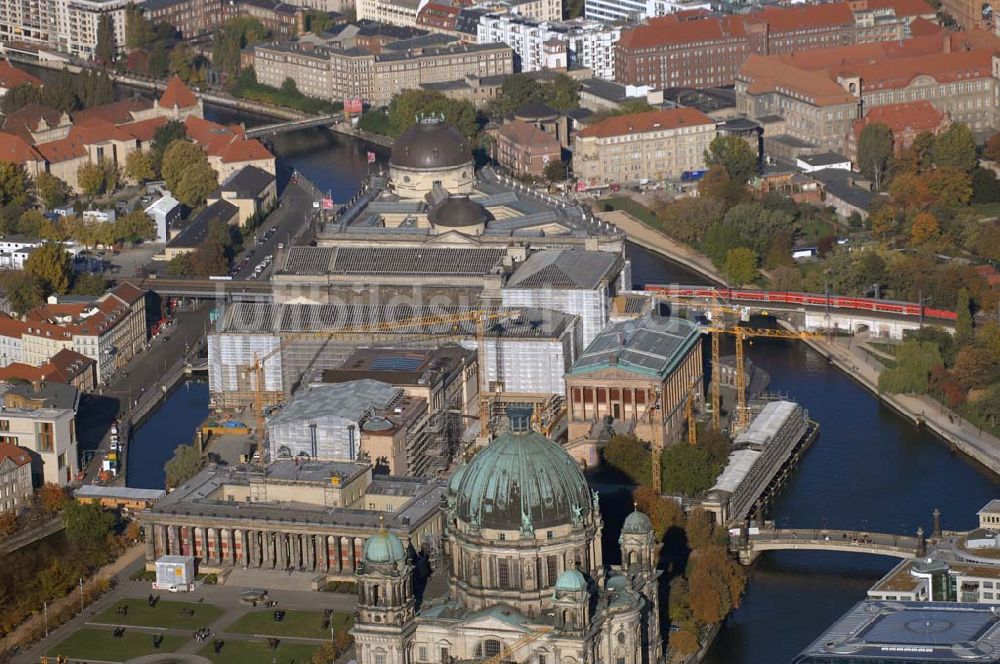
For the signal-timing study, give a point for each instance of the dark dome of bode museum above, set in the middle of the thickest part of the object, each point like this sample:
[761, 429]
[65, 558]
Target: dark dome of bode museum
[521, 481]
[458, 212]
[430, 144]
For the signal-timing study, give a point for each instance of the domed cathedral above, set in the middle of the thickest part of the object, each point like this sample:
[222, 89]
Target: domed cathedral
[527, 580]
[431, 153]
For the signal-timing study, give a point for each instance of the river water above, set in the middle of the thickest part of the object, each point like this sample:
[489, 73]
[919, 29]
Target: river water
[869, 469]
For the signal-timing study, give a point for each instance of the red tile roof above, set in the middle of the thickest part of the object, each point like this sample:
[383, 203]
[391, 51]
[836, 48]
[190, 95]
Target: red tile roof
[177, 94]
[11, 327]
[62, 150]
[11, 76]
[689, 27]
[114, 113]
[18, 455]
[144, 130]
[128, 292]
[227, 143]
[637, 123]
[89, 134]
[16, 150]
[915, 115]
[528, 135]
[28, 119]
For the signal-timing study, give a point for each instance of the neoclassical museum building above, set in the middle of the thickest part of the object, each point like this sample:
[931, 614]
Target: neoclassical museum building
[527, 577]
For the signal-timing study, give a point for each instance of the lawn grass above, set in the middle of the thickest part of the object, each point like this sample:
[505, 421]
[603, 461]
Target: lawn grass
[987, 209]
[99, 644]
[165, 614]
[637, 210]
[257, 652]
[305, 624]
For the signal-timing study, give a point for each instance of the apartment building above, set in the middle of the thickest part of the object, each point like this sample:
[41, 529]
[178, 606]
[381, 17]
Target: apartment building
[15, 478]
[820, 95]
[620, 11]
[394, 12]
[697, 49]
[69, 26]
[110, 330]
[525, 149]
[587, 43]
[654, 145]
[339, 74]
[50, 435]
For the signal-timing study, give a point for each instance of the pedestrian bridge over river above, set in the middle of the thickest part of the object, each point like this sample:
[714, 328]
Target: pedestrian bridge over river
[749, 546]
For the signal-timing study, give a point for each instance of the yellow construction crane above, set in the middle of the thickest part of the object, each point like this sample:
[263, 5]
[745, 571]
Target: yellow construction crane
[480, 317]
[742, 333]
[507, 652]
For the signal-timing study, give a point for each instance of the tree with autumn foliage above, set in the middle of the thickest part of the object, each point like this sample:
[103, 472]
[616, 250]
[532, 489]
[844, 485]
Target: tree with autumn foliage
[924, 230]
[992, 149]
[52, 497]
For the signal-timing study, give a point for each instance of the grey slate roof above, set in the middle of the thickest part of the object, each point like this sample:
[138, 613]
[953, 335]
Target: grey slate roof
[393, 260]
[570, 268]
[248, 182]
[650, 345]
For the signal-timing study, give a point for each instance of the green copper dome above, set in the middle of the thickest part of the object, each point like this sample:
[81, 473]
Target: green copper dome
[637, 523]
[521, 481]
[571, 581]
[383, 547]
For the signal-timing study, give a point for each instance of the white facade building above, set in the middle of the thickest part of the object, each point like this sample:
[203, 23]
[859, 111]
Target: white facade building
[636, 10]
[69, 26]
[588, 43]
[14, 250]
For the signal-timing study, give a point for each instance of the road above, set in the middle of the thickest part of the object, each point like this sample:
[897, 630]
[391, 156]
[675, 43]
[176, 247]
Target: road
[137, 380]
[293, 211]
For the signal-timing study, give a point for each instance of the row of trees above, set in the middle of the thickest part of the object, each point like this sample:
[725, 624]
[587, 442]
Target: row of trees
[706, 583]
[245, 85]
[67, 93]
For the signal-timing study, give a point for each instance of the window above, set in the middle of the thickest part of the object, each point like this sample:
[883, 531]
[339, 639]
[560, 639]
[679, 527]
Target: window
[422, 653]
[44, 437]
[491, 648]
[4, 425]
[553, 570]
[445, 657]
[503, 574]
[380, 658]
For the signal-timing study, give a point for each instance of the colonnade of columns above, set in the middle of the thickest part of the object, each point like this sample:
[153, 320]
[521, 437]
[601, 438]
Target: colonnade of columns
[253, 548]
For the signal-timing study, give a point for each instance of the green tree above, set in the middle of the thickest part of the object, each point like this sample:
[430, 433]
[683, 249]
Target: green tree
[20, 96]
[949, 186]
[963, 322]
[13, 185]
[688, 470]
[232, 38]
[733, 154]
[170, 131]
[138, 30]
[210, 259]
[52, 266]
[985, 186]
[955, 147]
[518, 90]
[89, 284]
[106, 48]
[24, 291]
[741, 265]
[51, 190]
[181, 266]
[318, 22]
[911, 375]
[88, 525]
[184, 465]
[564, 93]
[688, 218]
[717, 185]
[409, 104]
[875, 153]
[196, 183]
[992, 149]
[135, 226]
[629, 456]
[179, 157]
[139, 166]
[555, 170]
[627, 107]
[90, 177]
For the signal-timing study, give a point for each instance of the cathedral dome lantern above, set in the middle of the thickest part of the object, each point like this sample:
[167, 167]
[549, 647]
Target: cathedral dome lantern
[522, 481]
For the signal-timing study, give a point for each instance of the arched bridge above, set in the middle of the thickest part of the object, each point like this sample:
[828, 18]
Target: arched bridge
[809, 539]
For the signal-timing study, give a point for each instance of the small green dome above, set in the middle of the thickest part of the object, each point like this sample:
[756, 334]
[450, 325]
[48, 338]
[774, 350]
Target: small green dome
[571, 581]
[383, 547]
[637, 523]
[521, 479]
